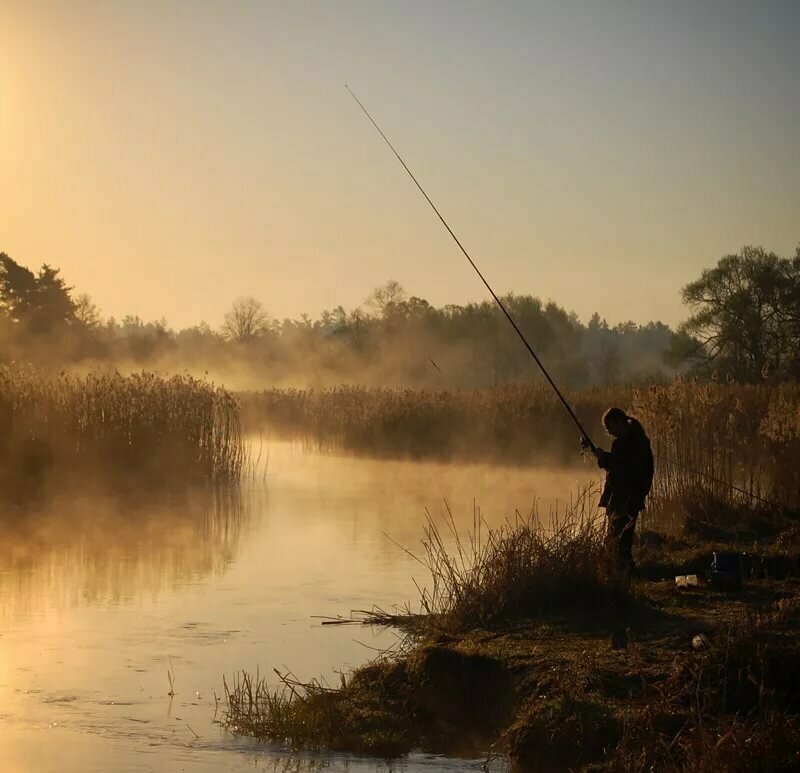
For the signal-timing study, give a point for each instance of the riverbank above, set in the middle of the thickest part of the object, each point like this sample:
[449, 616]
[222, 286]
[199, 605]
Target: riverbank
[653, 677]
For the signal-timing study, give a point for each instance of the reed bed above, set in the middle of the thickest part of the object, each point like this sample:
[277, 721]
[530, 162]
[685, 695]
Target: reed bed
[141, 428]
[517, 423]
[707, 437]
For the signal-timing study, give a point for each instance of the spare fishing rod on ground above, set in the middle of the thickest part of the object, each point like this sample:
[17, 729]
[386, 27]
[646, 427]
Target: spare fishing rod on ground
[584, 433]
[725, 483]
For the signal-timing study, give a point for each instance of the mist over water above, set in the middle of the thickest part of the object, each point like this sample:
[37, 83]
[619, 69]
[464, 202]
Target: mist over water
[99, 600]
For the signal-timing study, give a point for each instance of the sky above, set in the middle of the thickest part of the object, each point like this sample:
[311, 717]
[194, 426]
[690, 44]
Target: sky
[172, 155]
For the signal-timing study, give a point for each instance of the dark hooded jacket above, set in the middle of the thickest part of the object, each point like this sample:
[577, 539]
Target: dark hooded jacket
[629, 470]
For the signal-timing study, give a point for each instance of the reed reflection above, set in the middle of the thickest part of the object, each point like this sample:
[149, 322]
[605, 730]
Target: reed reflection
[106, 550]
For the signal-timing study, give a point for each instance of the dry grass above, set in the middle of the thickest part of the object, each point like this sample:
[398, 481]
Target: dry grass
[368, 712]
[746, 436]
[523, 569]
[110, 428]
[732, 706]
[486, 578]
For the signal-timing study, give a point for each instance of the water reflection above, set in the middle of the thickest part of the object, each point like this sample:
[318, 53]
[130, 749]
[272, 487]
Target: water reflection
[100, 598]
[109, 551]
[342, 764]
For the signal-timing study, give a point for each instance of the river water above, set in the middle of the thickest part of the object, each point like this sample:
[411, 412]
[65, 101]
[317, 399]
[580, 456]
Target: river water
[107, 606]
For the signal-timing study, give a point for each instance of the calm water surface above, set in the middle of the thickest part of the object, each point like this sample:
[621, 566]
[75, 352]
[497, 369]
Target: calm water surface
[101, 602]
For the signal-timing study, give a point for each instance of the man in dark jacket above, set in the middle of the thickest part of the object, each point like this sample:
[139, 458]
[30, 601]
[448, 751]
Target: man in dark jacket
[629, 475]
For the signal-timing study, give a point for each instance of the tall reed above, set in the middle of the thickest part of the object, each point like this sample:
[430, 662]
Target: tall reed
[517, 423]
[140, 428]
[708, 437]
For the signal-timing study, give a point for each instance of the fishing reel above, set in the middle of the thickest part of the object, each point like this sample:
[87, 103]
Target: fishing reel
[587, 447]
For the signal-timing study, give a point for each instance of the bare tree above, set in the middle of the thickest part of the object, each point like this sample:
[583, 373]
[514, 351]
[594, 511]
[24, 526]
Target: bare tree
[86, 312]
[246, 320]
[387, 296]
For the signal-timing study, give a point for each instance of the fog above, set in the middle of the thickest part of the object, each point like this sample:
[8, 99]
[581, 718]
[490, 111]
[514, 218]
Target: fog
[392, 339]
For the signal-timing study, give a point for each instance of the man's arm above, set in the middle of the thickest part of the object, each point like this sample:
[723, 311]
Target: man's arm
[604, 458]
[620, 455]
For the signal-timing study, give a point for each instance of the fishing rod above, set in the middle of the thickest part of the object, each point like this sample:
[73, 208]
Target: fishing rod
[725, 483]
[584, 433]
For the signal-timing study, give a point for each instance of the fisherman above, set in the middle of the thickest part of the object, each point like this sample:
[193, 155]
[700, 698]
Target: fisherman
[629, 475]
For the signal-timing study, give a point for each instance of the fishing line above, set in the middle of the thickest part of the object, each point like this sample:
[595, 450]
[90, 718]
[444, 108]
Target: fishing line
[723, 483]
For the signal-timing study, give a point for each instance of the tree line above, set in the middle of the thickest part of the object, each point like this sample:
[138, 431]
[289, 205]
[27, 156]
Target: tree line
[743, 325]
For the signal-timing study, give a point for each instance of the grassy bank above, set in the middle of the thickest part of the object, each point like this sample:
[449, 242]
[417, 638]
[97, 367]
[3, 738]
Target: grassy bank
[114, 430]
[528, 647]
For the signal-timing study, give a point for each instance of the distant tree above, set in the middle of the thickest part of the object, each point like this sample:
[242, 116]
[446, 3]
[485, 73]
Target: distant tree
[348, 326]
[197, 332]
[53, 299]
[86, 312]
[685, 352]
[745, 323]
[596, 324]
[414, 308]
[386, 297]
[17, 288]
[38, 302]
[246, 321]
[609, 364]
[141, 340]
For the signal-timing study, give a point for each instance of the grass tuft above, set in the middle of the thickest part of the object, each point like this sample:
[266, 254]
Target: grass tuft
[521, 570]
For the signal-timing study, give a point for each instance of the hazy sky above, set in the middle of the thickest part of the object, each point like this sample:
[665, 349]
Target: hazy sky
[171, 155]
